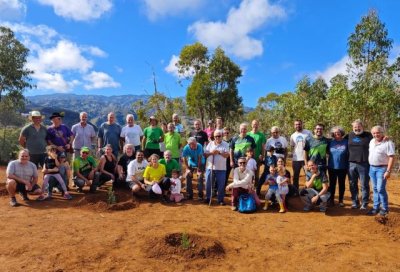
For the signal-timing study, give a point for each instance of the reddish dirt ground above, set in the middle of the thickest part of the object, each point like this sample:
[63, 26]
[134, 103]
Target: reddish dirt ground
[85, 234]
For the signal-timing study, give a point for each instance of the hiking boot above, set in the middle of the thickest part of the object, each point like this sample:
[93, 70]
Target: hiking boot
[364, 206]
[355, 205]
[383, 212]
[307, 208]
[372, 212]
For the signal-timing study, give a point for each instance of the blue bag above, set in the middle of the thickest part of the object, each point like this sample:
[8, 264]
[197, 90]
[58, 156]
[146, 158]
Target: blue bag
[247, 203]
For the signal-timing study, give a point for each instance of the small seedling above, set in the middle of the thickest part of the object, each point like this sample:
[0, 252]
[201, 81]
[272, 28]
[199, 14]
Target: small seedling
[111, 199]
[185, 242]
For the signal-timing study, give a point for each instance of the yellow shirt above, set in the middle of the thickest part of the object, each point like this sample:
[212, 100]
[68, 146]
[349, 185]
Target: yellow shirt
[154, 174]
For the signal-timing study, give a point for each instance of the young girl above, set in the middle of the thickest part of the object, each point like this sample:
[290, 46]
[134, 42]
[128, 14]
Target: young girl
[175, 187]
[65, 173]
[283, 187]
[51, 169]
[273, 189]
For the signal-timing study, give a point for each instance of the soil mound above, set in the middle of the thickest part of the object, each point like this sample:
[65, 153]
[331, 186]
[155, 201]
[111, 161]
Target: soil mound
[390, 225]
[98, 202]
[181, 246]
[3, 190]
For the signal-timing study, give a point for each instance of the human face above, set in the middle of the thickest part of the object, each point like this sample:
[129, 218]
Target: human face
[312, 166]
[139, 156]
[111, 118]
[193, 145]
[298, 126]
[130, 121]
[108, 151]
[219, 122]
[23, 157]
[226, 133]
[242, 164]
[357, 128]
[197, 125]
[337, 135]
[272, 169]
[129, 151]
[255, 125]
[83, 118]
[377, 134]
[167, 156]
[218, 137]
[243, 130]
[56, 121]
[319, 131]
[175, 118]
[175, 175]
[250, 154]
[37, 120]
[275, 133]
[84, 154]
[280, 162]
[171, 127]
[154, 161]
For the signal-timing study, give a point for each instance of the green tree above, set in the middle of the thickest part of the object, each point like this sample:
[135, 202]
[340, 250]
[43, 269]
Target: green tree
[14, 76]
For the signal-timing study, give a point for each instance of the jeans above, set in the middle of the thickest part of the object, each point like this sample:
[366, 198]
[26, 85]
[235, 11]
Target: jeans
[359, 170]
[307, 193]
[340, 176]
[219, 177]
[380, 195]
[297, 166]
[189, 186]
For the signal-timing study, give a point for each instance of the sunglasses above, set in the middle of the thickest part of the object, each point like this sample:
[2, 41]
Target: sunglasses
[85, 152]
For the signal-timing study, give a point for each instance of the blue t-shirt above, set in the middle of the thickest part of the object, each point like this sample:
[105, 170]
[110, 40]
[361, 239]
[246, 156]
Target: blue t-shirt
[110, 135]
[271, 180]
[270, 160]
[192, 155]
[338, 154]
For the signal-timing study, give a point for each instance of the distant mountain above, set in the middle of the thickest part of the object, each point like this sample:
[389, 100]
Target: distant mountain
[97, 106]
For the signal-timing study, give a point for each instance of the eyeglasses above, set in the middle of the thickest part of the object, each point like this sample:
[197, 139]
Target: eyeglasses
[242, 163]
[217, 136]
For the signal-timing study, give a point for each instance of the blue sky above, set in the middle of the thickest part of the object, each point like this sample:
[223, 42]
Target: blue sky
[112, 47]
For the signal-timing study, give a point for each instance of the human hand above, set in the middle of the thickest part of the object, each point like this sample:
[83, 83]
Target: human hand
[386, 175]
[314, 199]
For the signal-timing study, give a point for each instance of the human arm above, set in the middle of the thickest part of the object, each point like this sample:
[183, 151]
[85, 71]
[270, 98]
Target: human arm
[22, 140]
[322, 192]
[101, 167]
[386, 175]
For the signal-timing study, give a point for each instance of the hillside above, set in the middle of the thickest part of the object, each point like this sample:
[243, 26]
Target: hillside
[97, 106]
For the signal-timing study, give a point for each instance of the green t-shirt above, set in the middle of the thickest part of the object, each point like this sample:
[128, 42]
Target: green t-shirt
[318, 181]
[153, 136]
[84, 166]
[171, 165]
[260, 140]
[172, 142]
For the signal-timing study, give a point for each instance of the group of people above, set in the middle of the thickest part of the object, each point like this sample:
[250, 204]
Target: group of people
[157, 160]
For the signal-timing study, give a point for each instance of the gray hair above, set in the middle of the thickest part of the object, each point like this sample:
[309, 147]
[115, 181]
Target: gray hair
[378, 128]
[82, 113]
[129, 116]
[339, 128]
[191, 140]
[243, 125]
[357, 122]
[275, 128]
[23, 151]
[167, 151]
[128, 145]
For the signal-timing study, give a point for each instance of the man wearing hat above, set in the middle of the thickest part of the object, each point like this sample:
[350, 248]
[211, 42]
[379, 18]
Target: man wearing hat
[152, 137]
[33, 138]
[84, 168]
[59, 134]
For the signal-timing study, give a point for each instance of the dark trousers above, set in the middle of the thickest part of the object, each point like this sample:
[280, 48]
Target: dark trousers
[262, 179]
[338, 175]
[297, 166]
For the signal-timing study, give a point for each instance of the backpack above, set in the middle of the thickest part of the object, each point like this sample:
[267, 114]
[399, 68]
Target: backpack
[247, 203]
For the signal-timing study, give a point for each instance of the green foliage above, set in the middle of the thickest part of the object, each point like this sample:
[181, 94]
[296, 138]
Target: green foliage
[14, 77]
[185, 242]
[213, 88]
[111, 198]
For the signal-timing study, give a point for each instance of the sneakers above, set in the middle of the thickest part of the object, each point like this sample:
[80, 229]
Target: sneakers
[41, 198]
[67, 196]
[364, 206]
[341, 204]
[383, 212]
[322, 208]
[13, 202]
[372, 212]
[355, 205]
[222, 203]
[234, 208]
[307, 208]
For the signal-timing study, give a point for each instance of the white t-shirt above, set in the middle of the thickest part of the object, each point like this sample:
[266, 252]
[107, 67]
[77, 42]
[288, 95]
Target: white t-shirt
[132, 134]
[379, 152]
[219, 161]
[280, 144]
[136, 169]
[251, 165]
[175, 186]
[297, 142]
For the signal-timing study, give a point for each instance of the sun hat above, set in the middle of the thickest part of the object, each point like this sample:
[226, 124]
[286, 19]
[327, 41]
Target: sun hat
[156, 189]
[35, 114]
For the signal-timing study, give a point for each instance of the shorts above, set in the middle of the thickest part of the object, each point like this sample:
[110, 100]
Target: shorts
[132, 183]
[283, 190]
[21, 188]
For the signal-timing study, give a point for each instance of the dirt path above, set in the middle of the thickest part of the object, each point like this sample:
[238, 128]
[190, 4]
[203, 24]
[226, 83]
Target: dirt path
[82, 235]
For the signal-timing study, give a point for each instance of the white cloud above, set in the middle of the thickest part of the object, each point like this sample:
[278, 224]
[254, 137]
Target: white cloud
[172, 69]
[64, 56]
[339, 67]
[12, 9]
[161, 8]
[234, 34]
[54, 81]
[95, 51]
[99, 80]
[79, 10]
[43, 33]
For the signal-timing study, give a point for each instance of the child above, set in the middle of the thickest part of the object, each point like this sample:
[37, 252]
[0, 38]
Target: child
[270, 160]
[251, 162]
[283, 187]
[273, 187]
[65, 173]
[175, 187]
[51, 169]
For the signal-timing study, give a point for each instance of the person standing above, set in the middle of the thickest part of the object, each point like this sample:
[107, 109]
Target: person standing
[279, 143]
[216, 152]
[358, 141]
[381, 160]
[240, 144]
[59, 134]
[199, 134]
[153, 136]
[260, 140]
[172, 141]
[131, 133]
[193, 160]
[178, 127]
[298, 142]
[109, 134]
[84, 134]
[316, 148]
[33, 138]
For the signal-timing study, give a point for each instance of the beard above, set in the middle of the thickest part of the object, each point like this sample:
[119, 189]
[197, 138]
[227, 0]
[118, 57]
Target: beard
[358, 132]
